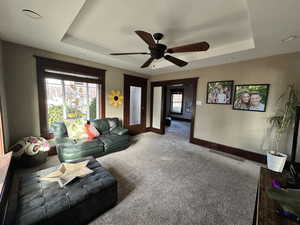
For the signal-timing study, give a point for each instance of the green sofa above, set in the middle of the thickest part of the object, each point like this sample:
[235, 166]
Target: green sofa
[113, 138]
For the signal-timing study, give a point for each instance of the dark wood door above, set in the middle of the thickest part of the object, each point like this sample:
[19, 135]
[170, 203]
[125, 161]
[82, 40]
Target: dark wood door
[135, 104]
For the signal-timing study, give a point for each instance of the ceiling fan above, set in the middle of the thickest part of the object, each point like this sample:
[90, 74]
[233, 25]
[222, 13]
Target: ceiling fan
[158, 50]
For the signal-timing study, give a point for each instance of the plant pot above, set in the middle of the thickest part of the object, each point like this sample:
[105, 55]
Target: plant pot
[276, 162]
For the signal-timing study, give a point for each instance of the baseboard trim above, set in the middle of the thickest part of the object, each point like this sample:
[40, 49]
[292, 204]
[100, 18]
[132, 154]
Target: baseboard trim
[180, 119]
[148, 129]
[155, 130]
[151, 129]
[231, 150]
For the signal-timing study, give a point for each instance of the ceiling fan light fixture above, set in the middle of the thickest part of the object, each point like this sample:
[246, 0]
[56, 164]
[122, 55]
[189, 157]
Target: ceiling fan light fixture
[32, 14]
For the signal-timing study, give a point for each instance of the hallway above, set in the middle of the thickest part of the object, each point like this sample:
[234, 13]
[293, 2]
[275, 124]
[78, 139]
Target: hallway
[179, 128]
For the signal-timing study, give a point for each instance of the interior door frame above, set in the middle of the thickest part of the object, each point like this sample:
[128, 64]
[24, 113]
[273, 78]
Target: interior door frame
[2, 134]
[133, 80]
[164, 84]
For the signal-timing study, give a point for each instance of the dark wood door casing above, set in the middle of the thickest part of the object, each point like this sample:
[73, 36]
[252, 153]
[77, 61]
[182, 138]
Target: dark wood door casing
[130, 80]
[164, 84]
[2, 135]
[43, 63]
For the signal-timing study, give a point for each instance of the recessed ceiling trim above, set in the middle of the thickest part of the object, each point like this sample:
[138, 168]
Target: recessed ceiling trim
[32, 14]
[91, 32]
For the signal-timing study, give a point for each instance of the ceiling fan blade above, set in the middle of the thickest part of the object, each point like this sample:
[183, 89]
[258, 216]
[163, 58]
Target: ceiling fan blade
[131, 53]
[201, 46]
[176, 61]
[147, 37]
[147, 63]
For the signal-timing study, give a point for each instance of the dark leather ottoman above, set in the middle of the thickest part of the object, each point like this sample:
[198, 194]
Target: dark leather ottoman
[43, 202]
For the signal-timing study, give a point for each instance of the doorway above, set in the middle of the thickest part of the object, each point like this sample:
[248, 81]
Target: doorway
[135, 104]
[179, 100]
[173, 105]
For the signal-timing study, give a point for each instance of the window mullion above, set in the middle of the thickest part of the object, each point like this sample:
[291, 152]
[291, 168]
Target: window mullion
[98, 99]
[88, 101]
[64, 99]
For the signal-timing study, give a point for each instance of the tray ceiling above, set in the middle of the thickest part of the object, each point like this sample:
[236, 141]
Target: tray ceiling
[236, 30]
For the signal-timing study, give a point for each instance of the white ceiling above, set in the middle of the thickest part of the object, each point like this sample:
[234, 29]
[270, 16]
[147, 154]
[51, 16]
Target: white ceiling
[236, 30]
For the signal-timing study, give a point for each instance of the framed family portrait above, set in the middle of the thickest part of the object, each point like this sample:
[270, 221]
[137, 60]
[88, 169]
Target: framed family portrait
[251, 97]
[219, 92]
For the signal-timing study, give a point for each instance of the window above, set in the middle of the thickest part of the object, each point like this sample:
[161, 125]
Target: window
[72, 102]
[176, 101]
[70, 93]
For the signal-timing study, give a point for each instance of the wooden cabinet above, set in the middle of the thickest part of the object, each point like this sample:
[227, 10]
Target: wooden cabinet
[5, 176]
[266, 208]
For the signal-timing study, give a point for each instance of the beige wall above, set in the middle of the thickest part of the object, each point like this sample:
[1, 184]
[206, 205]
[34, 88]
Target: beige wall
[216, 123]
[21, 87]
[3, 100]
[241, 129]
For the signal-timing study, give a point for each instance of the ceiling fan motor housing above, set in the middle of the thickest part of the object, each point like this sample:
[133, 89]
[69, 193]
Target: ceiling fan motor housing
[158, 36]
[158, 52]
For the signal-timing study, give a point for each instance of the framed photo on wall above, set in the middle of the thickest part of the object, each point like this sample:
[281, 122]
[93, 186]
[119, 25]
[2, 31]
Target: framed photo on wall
[251, 97]
[219, 92]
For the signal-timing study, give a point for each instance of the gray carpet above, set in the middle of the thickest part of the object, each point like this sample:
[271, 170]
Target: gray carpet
[179, 128]
[166, 180]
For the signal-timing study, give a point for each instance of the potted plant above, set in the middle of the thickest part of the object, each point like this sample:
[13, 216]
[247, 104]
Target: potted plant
[282, 122]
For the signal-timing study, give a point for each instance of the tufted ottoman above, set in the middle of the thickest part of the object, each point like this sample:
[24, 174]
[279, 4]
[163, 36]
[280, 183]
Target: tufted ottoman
[43, 202]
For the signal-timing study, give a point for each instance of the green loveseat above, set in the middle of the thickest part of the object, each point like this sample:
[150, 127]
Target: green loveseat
[113, 138]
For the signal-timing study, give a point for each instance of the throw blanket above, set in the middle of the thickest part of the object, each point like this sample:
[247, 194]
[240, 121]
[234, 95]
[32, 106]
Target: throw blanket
[68, 172]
